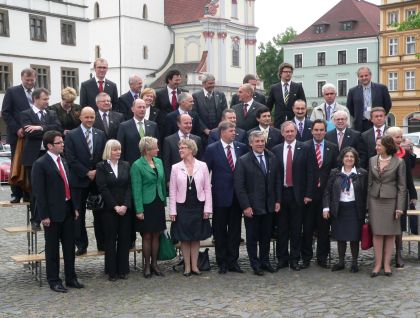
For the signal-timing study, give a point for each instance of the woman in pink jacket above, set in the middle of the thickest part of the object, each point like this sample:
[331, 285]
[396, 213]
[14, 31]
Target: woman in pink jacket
[190, 204]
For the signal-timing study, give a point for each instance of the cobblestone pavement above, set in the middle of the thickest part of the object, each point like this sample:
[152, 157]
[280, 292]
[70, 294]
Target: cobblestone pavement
[314, 292]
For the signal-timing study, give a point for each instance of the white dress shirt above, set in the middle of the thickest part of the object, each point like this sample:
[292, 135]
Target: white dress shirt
[114, 167]
[232, 150]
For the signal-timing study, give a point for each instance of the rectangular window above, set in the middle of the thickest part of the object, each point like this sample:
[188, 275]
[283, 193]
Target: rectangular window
[298, 60]
[320, 28]
[5, 76]
[392, 17]
[321, 59]
[320, 84]
[411, 45]
[235, 54]
[392, 81]
[410, 80]
[346, 26]
[4, 23]
[409, 13]
[234, 9]
[68, 33]
[362, 56]
[342, 87]
[342, 57]
[38, 28]
[42, 75]
[70, 78]
[393, 47]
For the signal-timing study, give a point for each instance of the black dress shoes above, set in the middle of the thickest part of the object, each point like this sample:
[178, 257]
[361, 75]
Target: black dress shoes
[222, 269]
[59, 288]
[305, 264]
[112, 278]
[198, 273]
[157, 272]
[268, 268]
[283, 264]
[388, 274]
[354, 268]
[323, 264]
[258, 271]
[337, 267]
[187, 274]
[14, 200]
[374, 274]
[235, 268]
[74, 284]
[80, 252]
[122, 276]
[295, 266]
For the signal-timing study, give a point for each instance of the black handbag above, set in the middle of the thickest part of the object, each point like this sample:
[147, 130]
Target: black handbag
[203, 262]
[94, 202]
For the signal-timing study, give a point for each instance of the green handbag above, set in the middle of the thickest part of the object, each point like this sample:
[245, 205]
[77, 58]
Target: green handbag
[167, 249]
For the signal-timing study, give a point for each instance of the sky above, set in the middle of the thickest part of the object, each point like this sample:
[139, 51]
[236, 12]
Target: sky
[271, 19]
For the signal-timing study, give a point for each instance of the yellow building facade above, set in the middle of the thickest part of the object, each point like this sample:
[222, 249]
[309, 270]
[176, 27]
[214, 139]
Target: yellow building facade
[399, 63]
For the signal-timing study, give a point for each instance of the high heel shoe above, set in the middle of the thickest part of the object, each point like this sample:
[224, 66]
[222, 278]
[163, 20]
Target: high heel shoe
[147, 274]
[197, 273]
[374, 274]
[388, 274]
[187, 274]
[157, 272]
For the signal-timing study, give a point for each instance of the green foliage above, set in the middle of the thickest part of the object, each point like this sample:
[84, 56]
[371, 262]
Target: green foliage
[271, 56]
[412, 22]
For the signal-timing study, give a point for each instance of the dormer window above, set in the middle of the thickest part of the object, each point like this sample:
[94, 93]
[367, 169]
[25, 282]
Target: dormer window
[320, 28]
[347, 25]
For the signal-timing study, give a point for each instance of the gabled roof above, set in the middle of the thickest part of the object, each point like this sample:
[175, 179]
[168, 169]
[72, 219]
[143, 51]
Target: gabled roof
[365, 16]
[184, 11]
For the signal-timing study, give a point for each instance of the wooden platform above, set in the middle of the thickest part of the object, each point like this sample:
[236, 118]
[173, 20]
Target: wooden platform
[411, 238]
[27, 229]
[7, 204]
[413, 212]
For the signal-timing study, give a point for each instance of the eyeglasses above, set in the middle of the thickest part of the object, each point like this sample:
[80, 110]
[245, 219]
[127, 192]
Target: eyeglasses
[58, 143]
[327, 94]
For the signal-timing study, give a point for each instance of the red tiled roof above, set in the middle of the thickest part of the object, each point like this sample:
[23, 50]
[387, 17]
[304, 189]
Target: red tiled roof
[364, 13]
[184, 11]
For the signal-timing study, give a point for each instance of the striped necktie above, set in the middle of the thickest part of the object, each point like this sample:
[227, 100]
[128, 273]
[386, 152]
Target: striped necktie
[89, 140]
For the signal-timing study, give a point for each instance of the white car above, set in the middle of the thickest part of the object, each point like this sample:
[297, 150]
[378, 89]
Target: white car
[415, 139]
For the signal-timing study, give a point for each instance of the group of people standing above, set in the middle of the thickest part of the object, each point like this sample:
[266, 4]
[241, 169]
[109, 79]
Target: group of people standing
[284, 179]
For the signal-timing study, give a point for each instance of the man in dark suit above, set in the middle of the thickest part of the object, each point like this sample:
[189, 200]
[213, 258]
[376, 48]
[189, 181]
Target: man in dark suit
[98, 84]
[258, 189]
[221, 158]
[16, 99]
[50, 180]
[240, 134]
[342, 136]
[35, 123]
[367, 145]
[170, 143]
[132, 130]
[284, 94]
[303, 124]
[125, 101]
[325, 154]
[186, 102]
[258, 97]
[209, 105]
[105, 119]
[364, 96]
[166, 98]
[272, 135]
[247, 108]
[296, 174]
[84, 149]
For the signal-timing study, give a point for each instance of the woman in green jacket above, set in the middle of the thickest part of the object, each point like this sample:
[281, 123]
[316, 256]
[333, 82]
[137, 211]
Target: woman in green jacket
[149, 194]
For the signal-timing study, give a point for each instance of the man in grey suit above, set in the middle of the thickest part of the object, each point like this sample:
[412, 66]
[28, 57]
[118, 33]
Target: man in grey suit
[98, 84]
[170, 143]
[342, 135]
[209, 105]
[107, 120]
[246, 111]
[326, 110]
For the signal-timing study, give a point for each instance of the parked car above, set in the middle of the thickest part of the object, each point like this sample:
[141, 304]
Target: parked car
[5, 165]
[415, 139]
[5, 150]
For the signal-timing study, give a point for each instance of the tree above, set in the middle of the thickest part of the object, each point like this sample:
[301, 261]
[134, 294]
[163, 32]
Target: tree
[271, 56]
[412, 23]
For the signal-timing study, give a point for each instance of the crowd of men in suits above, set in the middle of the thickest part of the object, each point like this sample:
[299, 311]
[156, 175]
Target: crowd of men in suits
[265, 155]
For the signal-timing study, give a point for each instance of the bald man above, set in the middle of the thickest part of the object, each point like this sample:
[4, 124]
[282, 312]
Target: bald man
[84, 146]
[125, 101]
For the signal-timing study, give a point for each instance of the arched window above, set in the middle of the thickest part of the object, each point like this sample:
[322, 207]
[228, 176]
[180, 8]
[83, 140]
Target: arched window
[96, 10]
[390, 120]
[234, 8]
[145, 12]
[413, 122]
[97, 51]
[145, 52]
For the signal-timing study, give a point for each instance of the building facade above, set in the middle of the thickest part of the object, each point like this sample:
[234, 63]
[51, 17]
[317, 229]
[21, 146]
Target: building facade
[334, 47]
[399, 63]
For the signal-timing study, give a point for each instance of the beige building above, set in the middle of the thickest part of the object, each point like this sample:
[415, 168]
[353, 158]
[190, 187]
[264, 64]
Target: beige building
[399, 63]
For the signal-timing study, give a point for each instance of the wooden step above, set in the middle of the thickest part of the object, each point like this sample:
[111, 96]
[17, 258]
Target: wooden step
[412, 238]
[7, 204]
[413, 212]
[27, 229]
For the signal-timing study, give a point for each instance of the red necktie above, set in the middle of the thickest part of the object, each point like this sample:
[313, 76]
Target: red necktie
[101, 86]
[318, 159]
[63, 176]
[289, 165]
[378, 134]
[229, 158]
[245, 110]
[174, 100]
